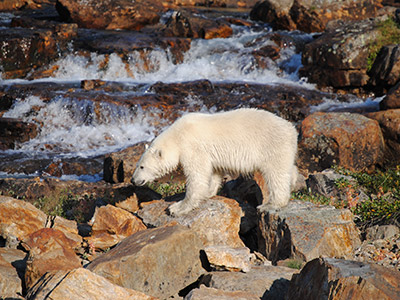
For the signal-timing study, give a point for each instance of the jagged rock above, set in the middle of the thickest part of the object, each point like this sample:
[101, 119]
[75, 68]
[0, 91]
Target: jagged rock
[12, 268]
[266, 282]
[121, 14]
[80, 284]
[111, 224]
[119, 166]
[205, 293]
[216, 221]
[385, 71]
[304, 231]
[183, 24]
[382, 232]
[158, 262]
[49, 251]
[389, 121]
[13, 131]
[130, 204]
[224, 258]
[311, 16]
[19, 219]
[329, 278]
[339, 57]
[69, 228]
[349, 140]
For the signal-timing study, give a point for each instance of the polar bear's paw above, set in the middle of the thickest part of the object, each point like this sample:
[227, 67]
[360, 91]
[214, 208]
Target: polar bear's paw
[263, 208]
[180, 208]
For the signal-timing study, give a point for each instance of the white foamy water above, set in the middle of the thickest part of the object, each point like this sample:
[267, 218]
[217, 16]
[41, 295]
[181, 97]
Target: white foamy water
[229, 59]
[81, 128]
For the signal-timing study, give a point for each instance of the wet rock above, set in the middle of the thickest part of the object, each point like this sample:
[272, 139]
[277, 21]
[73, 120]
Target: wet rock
[266, 282]
[121, 14]
[14, 131]
[158, 262]
[385, 71]
[24, 49]
[216, 221]
[344, 139]
[205, 293]
[389, 121]
[12, 266]
[49, 251]
[80, 284]
[339, 57]
[392, 99]
[18, 220]
[111, 224]
[218, 3]
[304, 231]
[183, 24]
[311, 16]
[339, 279]
[223, 258]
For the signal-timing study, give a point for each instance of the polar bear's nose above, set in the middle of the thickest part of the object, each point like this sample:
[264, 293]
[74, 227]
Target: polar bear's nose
[138, 183]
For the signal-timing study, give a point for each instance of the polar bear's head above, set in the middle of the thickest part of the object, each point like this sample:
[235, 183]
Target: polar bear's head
[154, 163]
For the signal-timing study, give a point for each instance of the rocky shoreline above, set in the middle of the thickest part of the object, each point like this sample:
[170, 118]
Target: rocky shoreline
[116, 241]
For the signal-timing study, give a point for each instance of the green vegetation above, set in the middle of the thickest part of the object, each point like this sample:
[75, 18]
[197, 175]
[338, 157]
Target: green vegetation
[382, 187]
[389, 33]
[66, 205]
[167, 189]
[294, 264]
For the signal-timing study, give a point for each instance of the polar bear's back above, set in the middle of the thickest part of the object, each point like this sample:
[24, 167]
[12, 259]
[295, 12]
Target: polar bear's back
[236, 140]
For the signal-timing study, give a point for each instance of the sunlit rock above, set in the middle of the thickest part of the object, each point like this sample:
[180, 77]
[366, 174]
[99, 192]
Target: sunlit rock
[12, 266]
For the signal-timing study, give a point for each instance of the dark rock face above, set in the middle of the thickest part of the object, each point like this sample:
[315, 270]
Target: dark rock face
[14, 131]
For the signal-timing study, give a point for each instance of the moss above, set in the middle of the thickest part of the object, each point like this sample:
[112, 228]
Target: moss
[389, 33]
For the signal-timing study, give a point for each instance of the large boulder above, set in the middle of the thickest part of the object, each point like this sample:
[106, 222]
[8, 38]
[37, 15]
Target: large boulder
[120, 14]
[349, 140]
[12, 267]
[329, 278]
[158, 262]
[311, 16]
[80, 284]
[339, 57]
[216, 221]
[304, 231]
[49, 251]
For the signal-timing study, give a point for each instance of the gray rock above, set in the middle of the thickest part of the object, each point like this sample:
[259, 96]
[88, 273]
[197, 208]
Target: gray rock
[382, 232]
[12, 267]
[305, 231]
[329, 278]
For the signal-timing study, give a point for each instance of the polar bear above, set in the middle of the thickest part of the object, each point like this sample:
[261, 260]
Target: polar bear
[208, 146]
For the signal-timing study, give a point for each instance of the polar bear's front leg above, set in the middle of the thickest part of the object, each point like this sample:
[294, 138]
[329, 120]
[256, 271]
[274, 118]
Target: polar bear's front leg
[197, 190]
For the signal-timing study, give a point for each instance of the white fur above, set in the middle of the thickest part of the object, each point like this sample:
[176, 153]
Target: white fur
[211, 145]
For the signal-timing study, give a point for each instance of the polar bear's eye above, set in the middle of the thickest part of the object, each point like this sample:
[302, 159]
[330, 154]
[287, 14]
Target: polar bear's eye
[141, 167]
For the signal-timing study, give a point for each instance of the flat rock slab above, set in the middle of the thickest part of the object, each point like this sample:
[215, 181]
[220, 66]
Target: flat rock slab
[80, 284]
[158, 262]
[328, 278]
[306, 231]
[205, 293]
[216, 221]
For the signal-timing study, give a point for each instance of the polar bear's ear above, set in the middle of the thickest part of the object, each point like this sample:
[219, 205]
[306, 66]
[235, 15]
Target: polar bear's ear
[146, 146]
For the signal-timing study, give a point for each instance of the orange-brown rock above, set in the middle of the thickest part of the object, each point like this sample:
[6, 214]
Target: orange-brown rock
[311, 16]
[344, 139]
[158, 262]
[389, 121]
[392, 98]
[205, 293]
[111, 225]
[304, 231]
[120, 14]
[19, 219]
[49, 251]
[80, 284]
[329, 278]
